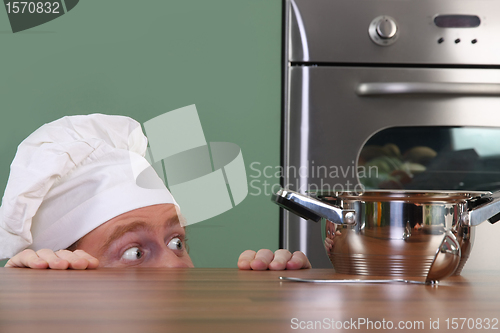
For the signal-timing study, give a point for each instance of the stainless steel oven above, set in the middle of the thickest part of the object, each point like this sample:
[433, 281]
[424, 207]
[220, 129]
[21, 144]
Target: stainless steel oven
[388, 94]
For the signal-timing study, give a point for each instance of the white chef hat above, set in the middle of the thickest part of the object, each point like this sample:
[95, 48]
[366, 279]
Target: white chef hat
[72, 175]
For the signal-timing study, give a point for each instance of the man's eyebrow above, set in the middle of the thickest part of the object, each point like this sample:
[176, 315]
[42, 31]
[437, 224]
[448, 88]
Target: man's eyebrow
[119, 231]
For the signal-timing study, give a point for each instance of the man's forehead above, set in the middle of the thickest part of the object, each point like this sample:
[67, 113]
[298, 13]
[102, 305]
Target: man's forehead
[146, 218]
[152, 219]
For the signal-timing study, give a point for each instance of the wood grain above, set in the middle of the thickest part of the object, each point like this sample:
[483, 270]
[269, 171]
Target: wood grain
[226, 300]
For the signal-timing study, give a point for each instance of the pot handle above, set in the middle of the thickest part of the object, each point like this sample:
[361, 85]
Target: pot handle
[488, 211]
[312, 209]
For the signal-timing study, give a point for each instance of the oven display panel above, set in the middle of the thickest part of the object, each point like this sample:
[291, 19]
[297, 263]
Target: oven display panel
[457, 21]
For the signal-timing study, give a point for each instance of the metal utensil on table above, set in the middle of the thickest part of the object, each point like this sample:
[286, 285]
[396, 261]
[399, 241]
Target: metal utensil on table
[424, 234]
[294, 279]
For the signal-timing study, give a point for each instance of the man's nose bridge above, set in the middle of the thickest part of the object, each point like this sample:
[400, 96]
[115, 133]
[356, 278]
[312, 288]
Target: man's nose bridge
[171, 260]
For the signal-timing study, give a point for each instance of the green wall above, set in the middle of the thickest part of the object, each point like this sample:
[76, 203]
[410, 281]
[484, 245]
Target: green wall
[144, 58]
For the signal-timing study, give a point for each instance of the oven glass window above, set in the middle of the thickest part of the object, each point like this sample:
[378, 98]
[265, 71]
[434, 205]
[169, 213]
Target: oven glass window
[432, 158]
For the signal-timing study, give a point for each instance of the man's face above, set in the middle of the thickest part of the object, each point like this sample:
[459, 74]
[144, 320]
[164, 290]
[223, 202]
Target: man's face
[146, 237]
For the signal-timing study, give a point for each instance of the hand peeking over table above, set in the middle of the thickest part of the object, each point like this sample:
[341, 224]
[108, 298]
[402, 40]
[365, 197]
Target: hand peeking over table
[63, 259]
[279, 260]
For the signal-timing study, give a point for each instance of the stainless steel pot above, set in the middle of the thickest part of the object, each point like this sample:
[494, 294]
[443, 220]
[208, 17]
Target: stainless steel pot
[426, 234]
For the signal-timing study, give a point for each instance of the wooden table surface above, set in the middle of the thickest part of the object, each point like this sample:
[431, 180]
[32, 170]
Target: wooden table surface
[228, 300]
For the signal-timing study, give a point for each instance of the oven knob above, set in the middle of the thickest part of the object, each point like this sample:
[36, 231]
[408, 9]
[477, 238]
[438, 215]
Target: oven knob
[386, 28]
[383, 30]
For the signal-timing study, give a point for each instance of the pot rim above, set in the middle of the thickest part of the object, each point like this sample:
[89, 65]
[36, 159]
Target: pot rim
[419, 196]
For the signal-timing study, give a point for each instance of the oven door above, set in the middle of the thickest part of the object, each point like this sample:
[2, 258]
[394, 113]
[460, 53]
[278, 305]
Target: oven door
[333, 112]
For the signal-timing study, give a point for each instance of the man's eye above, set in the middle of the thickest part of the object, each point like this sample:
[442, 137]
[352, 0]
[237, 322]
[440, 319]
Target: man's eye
[175, 244]
[132, 254]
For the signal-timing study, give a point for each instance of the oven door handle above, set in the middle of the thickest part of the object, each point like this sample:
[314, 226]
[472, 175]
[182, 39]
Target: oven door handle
[427, 88]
